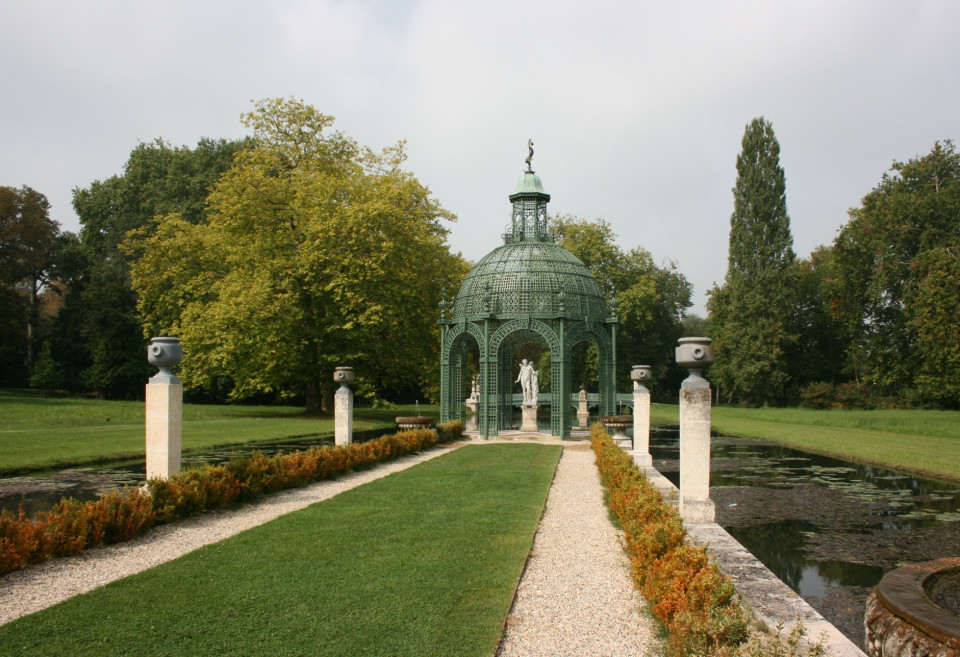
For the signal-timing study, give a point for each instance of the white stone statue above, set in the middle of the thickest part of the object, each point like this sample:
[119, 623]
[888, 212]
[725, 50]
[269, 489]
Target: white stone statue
[534, 387]
[528, 381]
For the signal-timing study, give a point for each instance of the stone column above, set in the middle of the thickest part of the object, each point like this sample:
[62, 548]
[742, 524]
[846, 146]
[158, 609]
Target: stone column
[164, 412]
[696, 507]
[641, 415]
[343, 406]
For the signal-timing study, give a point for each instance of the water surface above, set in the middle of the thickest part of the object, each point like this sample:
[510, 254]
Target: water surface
[829, 528]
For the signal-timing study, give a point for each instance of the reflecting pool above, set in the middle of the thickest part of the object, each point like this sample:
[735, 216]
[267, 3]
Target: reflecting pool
[827, 527]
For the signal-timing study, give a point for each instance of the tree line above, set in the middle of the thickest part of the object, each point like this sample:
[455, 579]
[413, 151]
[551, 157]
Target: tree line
[274, 258]
[278, 256]
[870, 319]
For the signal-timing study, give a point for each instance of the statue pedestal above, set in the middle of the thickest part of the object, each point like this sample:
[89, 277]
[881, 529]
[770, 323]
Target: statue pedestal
[696, 507]
[641, 427]
[583, 411]
[343, 416]
[529, 419]
[164, 426]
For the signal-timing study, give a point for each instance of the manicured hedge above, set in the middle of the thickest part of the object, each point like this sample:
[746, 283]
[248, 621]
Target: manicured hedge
[686, 591]
[71, 526]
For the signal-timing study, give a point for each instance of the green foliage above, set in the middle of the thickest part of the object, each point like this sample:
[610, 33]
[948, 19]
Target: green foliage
[97, 336]
[28, 241]
[933, 319]
[751, 312]
[46, 375]
[696, 326]
[650, 299]
[818, 352]
[819, 395]
[823, 395]
[316, 252]
[895, 287]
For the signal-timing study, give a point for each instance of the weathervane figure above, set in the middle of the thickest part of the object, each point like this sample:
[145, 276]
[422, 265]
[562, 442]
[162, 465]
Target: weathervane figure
[529, 157]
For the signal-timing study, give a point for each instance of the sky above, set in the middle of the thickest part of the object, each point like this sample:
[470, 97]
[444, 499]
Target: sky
[636, 109]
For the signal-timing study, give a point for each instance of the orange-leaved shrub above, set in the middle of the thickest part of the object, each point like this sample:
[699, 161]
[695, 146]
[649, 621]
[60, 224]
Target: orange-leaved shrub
[71, 526]
[686, 591]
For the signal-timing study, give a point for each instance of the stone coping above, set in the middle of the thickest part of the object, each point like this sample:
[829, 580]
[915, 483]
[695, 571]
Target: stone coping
[771, 601]
[902, 592]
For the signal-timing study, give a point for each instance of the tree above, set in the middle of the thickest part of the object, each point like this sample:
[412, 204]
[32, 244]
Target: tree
[97, 337]
[819, 352]
[316, 253]
[895, 268]
[651, 300]
[933, 317]
[696, 326]
[28, 239]
[751, 311]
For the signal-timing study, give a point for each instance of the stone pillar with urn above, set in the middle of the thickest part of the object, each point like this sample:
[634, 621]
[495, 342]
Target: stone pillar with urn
[696, 507]
[343, 406]
[164, 409]
[641, 374]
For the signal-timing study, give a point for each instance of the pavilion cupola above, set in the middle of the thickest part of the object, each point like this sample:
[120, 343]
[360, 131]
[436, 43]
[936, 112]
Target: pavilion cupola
[529, 219]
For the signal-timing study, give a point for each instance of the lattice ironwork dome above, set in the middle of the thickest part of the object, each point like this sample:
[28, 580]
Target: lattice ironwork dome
[539, 279]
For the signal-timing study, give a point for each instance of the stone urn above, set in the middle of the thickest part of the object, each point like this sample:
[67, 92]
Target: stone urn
[641, 374]
[696, 355]
[619, 424]
[413, 422]
[164, 353]
[915, 610]
[344, 376]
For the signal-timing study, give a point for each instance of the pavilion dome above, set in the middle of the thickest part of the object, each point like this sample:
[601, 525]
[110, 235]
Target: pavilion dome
[530, 275]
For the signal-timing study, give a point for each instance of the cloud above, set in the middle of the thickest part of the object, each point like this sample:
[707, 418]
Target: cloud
[637, 109]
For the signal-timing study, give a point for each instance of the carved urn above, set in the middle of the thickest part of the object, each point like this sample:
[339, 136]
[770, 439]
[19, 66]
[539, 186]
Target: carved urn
[696, 355]
[344, 376]
[619, 424]
[164, 353]
[641, 374]
[413, 422]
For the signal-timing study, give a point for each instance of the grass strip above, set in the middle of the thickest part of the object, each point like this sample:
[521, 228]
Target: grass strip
[39, 433]
[423, 562]
[925, 442]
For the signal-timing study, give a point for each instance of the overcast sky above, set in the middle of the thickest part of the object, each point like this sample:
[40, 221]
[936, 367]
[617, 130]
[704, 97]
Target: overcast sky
[636, 109]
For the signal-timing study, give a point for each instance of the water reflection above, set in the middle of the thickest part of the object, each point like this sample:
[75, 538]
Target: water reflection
[827, 527]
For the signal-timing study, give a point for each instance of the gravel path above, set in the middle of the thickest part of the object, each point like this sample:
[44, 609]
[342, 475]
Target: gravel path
[576, 596]
[43, 585]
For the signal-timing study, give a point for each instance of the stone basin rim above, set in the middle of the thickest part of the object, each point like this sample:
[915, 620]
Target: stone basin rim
[902, 592]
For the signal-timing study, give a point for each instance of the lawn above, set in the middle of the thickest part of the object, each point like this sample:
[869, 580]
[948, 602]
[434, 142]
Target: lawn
[422, 562]
[38, 433]
[920, 441]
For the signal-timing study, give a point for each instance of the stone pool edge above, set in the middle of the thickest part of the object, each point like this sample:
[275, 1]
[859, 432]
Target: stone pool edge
[770, 600]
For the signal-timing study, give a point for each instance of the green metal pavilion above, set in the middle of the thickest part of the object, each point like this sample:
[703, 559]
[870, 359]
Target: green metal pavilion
[529, 290]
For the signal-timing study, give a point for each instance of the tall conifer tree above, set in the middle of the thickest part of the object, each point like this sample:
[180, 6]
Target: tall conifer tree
[751, 311]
